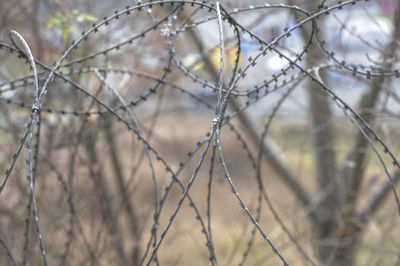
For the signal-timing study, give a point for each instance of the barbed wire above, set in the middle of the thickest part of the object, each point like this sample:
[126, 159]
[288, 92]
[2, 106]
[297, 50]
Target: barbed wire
[96, 99]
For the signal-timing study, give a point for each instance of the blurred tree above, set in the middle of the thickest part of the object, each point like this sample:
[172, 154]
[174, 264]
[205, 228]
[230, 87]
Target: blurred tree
[113, 207]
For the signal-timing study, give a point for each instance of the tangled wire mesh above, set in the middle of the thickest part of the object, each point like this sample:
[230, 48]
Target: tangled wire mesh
[119, 102]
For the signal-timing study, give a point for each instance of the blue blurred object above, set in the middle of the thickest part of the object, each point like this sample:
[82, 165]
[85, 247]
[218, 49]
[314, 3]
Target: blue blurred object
[249, 46]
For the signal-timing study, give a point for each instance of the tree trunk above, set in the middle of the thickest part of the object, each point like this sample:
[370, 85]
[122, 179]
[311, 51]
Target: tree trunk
[353, 173]
[323, 141]
[128, 204]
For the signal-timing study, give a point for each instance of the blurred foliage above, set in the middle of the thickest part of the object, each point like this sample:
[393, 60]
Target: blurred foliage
[65, 21]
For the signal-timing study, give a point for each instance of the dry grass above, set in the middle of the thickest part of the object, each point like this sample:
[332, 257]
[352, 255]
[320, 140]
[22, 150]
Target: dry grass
[184, 244]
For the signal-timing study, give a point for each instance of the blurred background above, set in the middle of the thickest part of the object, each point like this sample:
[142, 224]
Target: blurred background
[130, 111]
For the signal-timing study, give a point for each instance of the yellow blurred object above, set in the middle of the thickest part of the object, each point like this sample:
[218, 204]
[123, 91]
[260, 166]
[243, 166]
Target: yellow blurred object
[195, 63]
[230, 56]
[192, 62]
